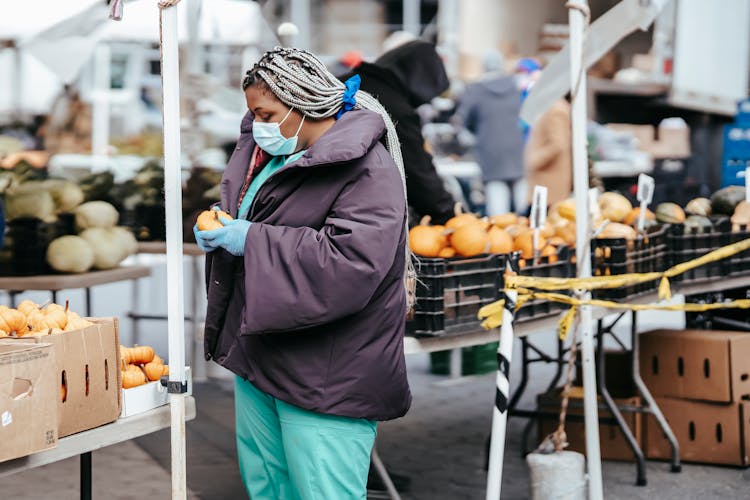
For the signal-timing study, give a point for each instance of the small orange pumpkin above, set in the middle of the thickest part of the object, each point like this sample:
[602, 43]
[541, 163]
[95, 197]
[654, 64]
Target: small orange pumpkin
[12, 320]
[524, 243]
[37, 321]
[504, 220]
[632, 218]
[460, 218]
[133, 378]
[27, 306]
[211, 219]
[447, 253]
[500, 241]
[154, 371]
[426, 240]
[470, 240]
[138, 355]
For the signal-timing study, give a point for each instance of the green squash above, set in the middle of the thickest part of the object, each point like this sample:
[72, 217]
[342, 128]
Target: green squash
[724, 201]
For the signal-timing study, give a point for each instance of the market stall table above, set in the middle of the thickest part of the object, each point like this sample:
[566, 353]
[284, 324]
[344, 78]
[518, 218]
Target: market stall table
[413, 345]
[53, 283]
[86, 442]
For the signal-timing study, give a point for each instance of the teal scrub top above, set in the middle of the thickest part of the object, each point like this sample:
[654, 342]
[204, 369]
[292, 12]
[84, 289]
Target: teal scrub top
[273, 166]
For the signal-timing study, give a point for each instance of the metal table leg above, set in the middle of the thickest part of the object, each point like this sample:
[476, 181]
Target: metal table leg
[88, 302]
[86, 476]
[632, 442]
[54, 296]
[456, 366]
[383, 473]
[652, 406]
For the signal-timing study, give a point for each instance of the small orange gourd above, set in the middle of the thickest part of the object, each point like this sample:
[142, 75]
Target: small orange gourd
[37, 321]
[133, 378]
[12, 320]
[56, 317]
[138, 355]
[426, 240]
[460, 218]
[524, 243]
[470, 240]
[154, 371]
[211, 219]
[27, 306]
[447, 253]
[500, 241]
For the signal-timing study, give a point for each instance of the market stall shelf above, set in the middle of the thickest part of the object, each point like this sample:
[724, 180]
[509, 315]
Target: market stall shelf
[56, 282]
[85, 442]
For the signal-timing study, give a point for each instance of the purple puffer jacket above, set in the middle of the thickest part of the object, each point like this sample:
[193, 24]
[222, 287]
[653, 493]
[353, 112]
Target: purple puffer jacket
[313, 314]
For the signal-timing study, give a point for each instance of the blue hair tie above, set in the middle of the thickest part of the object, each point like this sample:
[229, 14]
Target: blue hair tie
[352, 86]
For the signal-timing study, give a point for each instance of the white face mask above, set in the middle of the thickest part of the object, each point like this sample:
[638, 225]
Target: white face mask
[269, 138]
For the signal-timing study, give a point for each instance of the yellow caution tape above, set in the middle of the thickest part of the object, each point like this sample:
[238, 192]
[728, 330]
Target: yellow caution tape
[621, 280]
[493, 317]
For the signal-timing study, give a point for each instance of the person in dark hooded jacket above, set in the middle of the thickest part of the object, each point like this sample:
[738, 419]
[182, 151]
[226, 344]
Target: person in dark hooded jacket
[403, 79]
[310, 280]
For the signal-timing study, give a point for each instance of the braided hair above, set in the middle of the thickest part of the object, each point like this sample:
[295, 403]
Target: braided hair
[301, 81]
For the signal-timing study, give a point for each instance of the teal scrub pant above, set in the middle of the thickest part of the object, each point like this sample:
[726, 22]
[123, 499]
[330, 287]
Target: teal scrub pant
[287, 453]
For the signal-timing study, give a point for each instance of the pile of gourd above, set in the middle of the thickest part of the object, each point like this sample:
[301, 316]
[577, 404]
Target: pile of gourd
[467, 235]
[141, 365]
[34, 319]
[100, 243]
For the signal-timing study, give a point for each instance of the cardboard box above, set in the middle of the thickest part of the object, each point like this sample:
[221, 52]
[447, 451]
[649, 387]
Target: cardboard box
[706, 432]
[618, 373]
[704, 365]
[28, 399]
[88, 364]
[643, 133]
[148, 396]
[611, 440]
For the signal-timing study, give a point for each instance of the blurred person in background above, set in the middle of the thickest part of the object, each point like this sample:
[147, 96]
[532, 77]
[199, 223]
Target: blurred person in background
[309, 280]
[549, 155]
[408, 75]
[489, 109]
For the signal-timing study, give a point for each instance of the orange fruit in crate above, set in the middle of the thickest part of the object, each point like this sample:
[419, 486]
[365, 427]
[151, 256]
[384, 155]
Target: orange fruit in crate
[504, 220]
[524, 243]
[470, 240]
[210, 219]
[500, 241]
[447, 253]
[426, 240]
[632, 218]
[549, 251]
[461, 218]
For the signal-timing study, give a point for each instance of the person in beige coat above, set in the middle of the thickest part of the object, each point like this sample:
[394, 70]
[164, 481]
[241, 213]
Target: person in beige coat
[548, 156]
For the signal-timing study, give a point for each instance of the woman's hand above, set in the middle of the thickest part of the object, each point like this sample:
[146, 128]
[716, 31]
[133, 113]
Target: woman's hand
[201, 241]
[231, 237]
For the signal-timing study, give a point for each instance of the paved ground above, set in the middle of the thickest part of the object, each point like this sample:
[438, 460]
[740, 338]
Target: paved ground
[440, 445]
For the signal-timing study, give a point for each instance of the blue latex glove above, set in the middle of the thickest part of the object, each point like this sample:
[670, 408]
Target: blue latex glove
[231, 237]
[201, 241]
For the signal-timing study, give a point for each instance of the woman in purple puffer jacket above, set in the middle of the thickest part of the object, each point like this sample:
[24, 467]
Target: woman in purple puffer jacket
[307, 286]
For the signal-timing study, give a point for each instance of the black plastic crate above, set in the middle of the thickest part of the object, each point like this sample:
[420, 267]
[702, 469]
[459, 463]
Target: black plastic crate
[688, 243]
[559, 267]
[739, 264]
[719, 319]
[613, 256]
[450, 293]
[26, 242]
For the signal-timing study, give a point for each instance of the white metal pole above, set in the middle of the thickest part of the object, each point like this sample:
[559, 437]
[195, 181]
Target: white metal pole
[411, 14]
[576, 20]
[100, 112]
[17, 82]
[300, 16]
[170, 72]
[502, 395]
[449, 13]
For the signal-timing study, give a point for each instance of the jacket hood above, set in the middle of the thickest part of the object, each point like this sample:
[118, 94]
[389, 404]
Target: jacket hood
[499, 84]
[350, 138]
[419, 68]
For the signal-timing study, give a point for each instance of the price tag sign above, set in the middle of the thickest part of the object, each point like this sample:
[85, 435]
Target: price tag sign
[645, 189]
[538, 214]
[594, 211]
[645, 195]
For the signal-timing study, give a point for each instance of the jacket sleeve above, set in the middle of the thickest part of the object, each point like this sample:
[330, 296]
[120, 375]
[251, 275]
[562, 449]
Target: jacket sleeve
[300, 277]
[425, 189]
